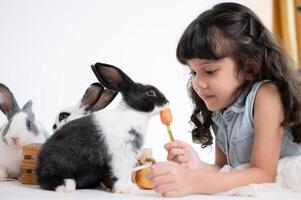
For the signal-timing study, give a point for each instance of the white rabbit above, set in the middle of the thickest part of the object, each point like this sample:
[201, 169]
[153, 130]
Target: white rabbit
[22, 128]
[94, 99]
[103, 146]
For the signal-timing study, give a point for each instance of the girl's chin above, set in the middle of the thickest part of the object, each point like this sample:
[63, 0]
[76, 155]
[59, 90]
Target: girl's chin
[213, 108]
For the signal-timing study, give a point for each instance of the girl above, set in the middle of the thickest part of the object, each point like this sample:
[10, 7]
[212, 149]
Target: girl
[242, 89]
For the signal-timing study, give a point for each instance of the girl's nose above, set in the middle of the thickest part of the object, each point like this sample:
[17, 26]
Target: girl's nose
[201, 83]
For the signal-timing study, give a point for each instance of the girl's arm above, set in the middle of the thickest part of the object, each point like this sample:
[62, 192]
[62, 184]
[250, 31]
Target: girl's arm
[220, 161]
[171, 179]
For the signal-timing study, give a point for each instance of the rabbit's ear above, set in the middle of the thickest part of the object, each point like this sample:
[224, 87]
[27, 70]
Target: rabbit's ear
[28, 107]
[112, 77]
[91, 95]
[8, 103]
[104, 100]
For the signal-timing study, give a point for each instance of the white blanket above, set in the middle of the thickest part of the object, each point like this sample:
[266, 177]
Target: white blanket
[287, 183]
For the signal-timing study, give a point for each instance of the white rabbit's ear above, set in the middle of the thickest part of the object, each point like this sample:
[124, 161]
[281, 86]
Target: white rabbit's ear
[91, 95]
[104, 100]
[8, 103]
[112, 77]
[28, 107]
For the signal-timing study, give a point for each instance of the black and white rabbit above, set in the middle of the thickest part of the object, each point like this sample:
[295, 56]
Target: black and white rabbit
[22, 128]
[95, 98]
[106, 143]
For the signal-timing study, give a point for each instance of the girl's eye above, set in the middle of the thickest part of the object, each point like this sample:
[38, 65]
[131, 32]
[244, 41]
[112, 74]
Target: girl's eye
[150, 93]
[210, 72]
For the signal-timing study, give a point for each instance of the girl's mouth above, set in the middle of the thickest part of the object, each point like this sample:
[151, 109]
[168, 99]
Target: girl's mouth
[206, 97]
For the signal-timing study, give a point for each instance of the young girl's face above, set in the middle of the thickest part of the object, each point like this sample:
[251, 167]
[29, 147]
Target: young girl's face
[215, 81]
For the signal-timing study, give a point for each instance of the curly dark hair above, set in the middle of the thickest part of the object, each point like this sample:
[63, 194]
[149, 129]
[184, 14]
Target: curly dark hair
[233, 30]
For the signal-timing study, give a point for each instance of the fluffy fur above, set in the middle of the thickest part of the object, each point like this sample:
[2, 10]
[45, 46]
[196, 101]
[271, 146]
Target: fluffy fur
[95, 98]
[102, 147]
[21, 129]
[73, 157]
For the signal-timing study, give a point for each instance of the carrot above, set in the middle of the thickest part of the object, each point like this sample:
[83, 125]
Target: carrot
[166, 117]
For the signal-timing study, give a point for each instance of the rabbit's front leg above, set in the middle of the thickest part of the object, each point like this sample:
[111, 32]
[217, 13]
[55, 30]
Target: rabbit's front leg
[124, 186]
[123, 174]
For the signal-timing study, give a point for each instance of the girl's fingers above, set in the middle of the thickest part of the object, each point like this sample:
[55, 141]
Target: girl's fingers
[158, 169]
[171, 157]
[181, 159]
[173, 144]
[158, 181]
[178, 155]
[164, 188]
[167, 146]
[175, 152]
[172, 193]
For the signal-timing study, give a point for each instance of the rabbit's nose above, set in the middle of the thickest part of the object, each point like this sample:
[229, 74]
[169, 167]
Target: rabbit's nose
[15, 140]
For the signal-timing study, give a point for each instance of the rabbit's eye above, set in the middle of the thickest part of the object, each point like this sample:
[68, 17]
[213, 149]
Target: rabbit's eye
[28, 124]
[151, 93]
[63, 115]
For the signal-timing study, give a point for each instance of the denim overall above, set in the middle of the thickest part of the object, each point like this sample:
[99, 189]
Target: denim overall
[234, 131]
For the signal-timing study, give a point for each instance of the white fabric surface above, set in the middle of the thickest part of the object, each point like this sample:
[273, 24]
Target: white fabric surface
[14, 190]
[287, 184]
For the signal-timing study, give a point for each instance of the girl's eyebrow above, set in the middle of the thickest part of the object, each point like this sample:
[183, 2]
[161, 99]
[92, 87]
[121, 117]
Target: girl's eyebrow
[217, 62]
[205, 62]
[209, 63]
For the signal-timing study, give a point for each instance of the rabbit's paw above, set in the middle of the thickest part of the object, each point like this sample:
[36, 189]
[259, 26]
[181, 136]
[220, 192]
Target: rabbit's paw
[124, 188]
[68, 187]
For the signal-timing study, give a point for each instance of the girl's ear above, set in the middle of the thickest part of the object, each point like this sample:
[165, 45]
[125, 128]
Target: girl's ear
[252, 69]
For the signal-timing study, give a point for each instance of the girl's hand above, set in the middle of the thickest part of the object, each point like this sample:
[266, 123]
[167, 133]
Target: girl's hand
[182, 153]
[171, 179]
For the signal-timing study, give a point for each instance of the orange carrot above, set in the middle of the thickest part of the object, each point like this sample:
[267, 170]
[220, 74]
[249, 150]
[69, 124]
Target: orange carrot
[166, 117]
